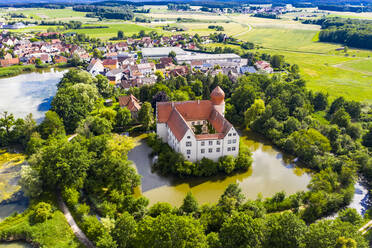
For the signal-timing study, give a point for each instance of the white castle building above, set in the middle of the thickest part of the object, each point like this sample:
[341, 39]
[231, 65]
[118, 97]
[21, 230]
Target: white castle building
[198, 128]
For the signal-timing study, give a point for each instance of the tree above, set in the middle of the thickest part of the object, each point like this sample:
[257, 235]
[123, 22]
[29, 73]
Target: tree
[350, 215]
[145, 116]
[42, 212]
[61, 164]
[284, 230]
[325, 234]
[94, 125]
[160, 208]
[341, 118]
[30, 182]
[241, 231]
[6, 123]
[320, 101]
[254, 111]
[105, 89]
[169, 231]
[123, 119]
[277, 61]
[190, 204]
[172, 54]
[120, 35]
[125, 230]
[34, 144]
[51, 125]
[74, 103]
[367, 138]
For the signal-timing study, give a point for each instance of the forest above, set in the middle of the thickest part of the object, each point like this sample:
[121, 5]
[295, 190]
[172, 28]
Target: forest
[349, 32]
[94, 176]
[123, 12]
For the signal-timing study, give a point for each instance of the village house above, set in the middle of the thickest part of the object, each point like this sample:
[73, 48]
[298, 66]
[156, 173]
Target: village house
[110, 64]
[263, 66]
[95, 67]
[9, 62]
[132, 103]
[59, 59]
[114, 76]
[197, 129]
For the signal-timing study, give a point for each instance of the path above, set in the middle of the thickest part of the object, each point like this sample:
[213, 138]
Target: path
[80, 235]
[75, 228]
[244, 32]
[364, 229]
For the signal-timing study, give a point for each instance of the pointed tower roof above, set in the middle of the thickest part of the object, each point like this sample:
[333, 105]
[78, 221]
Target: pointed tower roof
[217, 96]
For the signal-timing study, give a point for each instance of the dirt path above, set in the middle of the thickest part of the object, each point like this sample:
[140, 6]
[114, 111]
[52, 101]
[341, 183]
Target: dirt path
[75, 228]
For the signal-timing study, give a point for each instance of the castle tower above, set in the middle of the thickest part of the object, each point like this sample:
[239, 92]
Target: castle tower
[218, 99]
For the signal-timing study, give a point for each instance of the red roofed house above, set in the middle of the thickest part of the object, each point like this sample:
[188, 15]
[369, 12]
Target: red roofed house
[197, 129]
[9, 62]
[263, 66]
[132, 103]
[60, 59]
[110, 63]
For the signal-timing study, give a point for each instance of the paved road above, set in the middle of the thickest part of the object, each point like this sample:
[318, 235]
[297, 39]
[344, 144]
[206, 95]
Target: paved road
[75, 228]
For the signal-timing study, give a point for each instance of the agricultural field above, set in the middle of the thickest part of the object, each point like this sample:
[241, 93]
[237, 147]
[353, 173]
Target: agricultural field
[112, 30]
[66, 14]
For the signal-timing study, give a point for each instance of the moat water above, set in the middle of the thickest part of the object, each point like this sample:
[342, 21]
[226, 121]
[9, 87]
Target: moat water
[271, 172]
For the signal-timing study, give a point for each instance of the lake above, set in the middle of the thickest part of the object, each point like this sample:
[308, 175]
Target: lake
[15, 245]
[270, 173]
[29, 93]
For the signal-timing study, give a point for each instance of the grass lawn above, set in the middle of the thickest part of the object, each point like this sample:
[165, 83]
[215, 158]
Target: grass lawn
[54, 232]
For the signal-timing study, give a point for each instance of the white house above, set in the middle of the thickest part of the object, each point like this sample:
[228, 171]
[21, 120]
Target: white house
[95, 67]
[198, 128]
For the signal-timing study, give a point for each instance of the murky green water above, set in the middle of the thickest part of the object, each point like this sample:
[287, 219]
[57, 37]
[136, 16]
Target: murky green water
[271, 172]
[15, 245]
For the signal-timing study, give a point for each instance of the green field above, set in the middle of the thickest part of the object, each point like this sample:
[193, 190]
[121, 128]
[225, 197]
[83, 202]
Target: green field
[112, 30]
[53, 14]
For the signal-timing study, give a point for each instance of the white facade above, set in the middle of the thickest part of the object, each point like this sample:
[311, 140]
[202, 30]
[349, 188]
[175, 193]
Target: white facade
[197, 129]
[195, 150]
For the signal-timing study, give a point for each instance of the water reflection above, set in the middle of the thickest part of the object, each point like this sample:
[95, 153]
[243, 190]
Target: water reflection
[29, 93]
[271, 172]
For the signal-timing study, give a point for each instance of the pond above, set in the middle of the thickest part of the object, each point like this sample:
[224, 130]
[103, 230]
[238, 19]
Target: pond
[270, 173]
[29, 93]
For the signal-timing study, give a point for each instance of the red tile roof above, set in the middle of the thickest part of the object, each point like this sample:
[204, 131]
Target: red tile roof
[130, 102]
[176, 115]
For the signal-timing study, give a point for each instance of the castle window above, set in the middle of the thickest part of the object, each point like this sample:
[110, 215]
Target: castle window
[229, 142]
[210, 150]
[202, 151]
[210, 142]
[229, 149]
[233, 148]
[188, 143]
[229, 134]
[202, 143]
[218, 142]
[234, 134]
[234, 141]
[188, 137]
[218, 149]
[188, 152]
[193, 123]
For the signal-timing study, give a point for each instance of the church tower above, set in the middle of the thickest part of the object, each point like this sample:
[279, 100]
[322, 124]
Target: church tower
[218, 99]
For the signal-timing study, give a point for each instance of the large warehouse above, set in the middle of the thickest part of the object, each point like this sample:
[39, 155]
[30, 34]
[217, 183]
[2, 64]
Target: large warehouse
[205, 57]
[161, 52]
